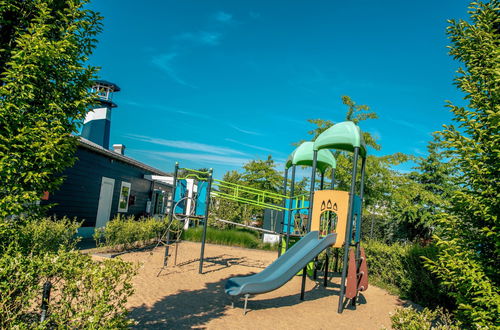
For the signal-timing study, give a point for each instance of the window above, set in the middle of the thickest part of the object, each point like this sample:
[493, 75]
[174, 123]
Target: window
[124, 196]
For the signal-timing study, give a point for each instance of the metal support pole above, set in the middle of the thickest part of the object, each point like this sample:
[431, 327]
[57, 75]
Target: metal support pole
[285, 184]
[348, 233]
[172, 201]
[358, 242]
[245, 306]
[303, 287]
[311, 192]
[315, 273]
[322, 181]
[45, 300]
[292, 191]
[325, 280]
[333, 179]
[205, 224]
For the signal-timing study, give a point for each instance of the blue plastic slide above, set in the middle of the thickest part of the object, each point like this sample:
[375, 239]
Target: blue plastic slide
[283, 269]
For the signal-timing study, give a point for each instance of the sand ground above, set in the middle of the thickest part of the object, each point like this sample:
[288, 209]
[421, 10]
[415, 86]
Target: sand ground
[182, 298]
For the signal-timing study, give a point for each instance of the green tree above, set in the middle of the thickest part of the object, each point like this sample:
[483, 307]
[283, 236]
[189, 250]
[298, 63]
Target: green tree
[355, 113]
[470, 240]
[44, 94]
[381, 179]
[263, 175]
[226, 209]
[422, 195]
[257, 174]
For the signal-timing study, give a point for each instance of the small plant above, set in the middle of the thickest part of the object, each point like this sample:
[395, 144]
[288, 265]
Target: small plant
[130, 232]
[399, 268]
[85, 293]
[410, 318]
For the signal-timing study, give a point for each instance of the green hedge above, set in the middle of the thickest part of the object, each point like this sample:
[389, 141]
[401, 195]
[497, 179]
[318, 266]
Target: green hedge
[399, 268]
[86, 294]
[232, 237]
[129, 232]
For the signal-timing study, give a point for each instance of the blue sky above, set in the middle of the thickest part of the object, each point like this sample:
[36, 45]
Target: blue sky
[218, 83]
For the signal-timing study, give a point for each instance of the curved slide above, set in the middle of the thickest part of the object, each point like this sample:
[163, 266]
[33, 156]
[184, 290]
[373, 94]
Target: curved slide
[283, 269]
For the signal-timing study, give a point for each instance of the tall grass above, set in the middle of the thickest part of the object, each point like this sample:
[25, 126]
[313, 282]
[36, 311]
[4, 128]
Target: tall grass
[232, 237]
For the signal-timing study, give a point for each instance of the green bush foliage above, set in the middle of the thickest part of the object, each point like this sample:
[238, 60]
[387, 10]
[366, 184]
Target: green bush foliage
[85, 293]
[129, 232]
[400, 269]
[469, 235]
[37, 236]
[44, 94]
[410, 318]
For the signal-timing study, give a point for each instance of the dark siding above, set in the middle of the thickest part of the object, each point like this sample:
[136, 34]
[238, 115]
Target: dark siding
[79, 194]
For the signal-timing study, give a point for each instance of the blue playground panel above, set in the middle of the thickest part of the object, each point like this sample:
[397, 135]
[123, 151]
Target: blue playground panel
[356, 210]
[181, 192]
[201, 200]
[285, 220]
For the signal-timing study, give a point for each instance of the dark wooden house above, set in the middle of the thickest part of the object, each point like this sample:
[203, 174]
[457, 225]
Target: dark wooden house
[104, 183]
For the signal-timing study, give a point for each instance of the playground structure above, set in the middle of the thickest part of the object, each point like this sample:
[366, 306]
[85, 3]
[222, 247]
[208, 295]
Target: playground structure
[328, 218]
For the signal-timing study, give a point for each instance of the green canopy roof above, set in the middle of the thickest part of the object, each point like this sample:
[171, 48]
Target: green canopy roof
[303, 155]
[342, 136]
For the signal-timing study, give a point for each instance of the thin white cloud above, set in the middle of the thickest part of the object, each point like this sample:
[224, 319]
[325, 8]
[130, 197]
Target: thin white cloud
[165, 63]
[189, 145]
[245, 131]
[252, 146]
[254, 15]
[223, 17]
[411, 125]
[197, 157]
[208, 38]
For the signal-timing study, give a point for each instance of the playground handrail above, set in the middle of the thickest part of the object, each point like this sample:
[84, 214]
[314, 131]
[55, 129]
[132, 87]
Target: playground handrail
[248, 189]
[248, 201]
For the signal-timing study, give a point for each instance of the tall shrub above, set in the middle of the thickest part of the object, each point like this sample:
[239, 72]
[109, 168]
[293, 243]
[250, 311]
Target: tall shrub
[470, 239]
[44, 92]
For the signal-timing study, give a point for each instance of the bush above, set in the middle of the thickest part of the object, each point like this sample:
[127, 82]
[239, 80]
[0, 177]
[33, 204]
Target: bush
[233, 237]
[409, 318]
[36, 236]
[400, 269]
[130, 232]
[85, 293]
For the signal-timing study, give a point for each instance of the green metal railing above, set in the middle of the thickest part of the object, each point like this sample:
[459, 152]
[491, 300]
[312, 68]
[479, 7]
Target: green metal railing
[248, 195]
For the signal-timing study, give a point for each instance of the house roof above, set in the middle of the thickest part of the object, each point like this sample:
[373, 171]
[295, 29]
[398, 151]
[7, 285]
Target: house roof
[84, 143]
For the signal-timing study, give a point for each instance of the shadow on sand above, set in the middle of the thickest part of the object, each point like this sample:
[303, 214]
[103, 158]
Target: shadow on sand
[195, 308]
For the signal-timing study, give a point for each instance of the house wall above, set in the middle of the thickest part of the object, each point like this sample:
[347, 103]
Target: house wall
[78, 196]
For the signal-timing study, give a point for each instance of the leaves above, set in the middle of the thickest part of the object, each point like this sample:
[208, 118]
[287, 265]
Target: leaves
[44, 94]
[470, 240]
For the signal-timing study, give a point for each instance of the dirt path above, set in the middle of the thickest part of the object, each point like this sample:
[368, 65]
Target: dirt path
[181, 298]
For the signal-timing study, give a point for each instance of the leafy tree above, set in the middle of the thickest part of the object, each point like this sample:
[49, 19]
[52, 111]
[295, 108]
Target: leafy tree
[44, 92]
[355, 113]
[422, 195]
[262, 174]
[226, 209]
[257, 174]
[381, 179]
[470, 239]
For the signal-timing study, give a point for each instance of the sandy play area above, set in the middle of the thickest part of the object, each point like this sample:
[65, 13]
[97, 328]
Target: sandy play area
[181, 298]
